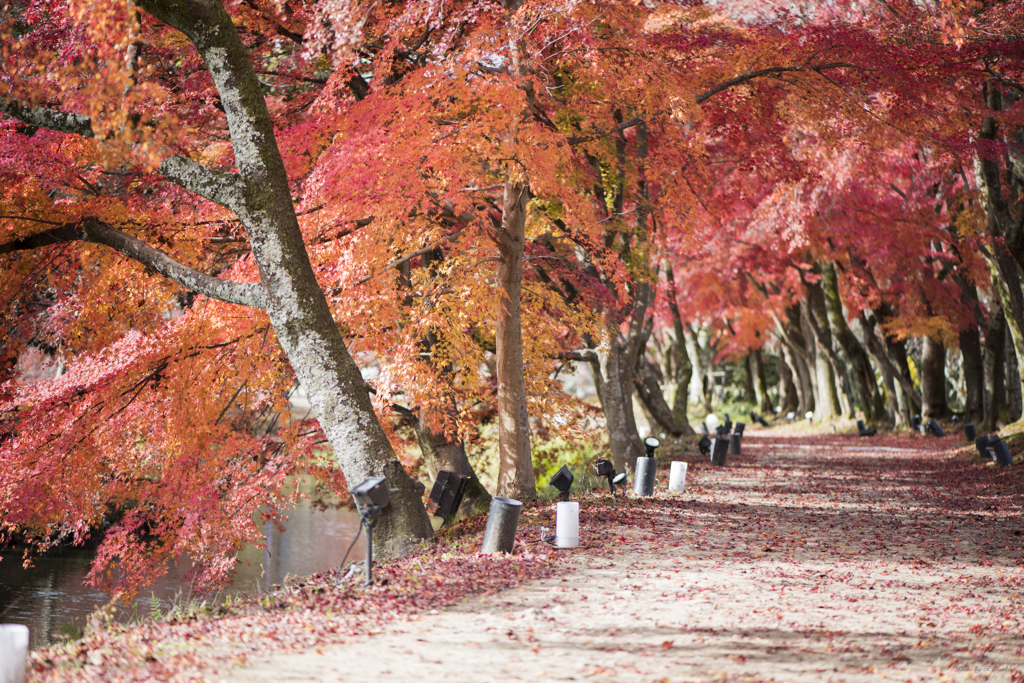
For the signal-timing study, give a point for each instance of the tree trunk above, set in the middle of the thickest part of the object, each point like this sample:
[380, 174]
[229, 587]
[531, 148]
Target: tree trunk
[515, 463]
[261, 197]
[443, 453]
[863, 377]
[993, 367]
[683, 367]
[933, 380]
[789, 396]
[648, 389]
[698, 350]
[1013, 389]
[1007, 229]
[974, 374]
[826, 399]
[762, 402]
[800, 356]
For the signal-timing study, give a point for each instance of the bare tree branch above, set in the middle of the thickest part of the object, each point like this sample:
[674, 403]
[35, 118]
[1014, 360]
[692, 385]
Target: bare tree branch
[97, 232]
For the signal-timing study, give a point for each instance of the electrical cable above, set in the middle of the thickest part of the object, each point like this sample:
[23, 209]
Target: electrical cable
[350, 546]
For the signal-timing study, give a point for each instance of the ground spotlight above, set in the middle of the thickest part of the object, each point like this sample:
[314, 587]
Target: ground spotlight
[563, 482]
[605, 469]
[371, 497]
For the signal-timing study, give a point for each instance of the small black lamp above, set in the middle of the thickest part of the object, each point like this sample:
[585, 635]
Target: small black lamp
[447, 493]
[605, 469]
[371, 497]
[651, 443]
[563, 482]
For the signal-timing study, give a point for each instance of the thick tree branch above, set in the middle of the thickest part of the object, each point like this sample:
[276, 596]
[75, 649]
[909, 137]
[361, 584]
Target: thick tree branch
[226, 189]
[241, 293]
[222, 188]
[50, 119]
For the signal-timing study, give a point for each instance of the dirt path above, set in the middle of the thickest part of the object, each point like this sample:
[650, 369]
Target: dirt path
[834, 562]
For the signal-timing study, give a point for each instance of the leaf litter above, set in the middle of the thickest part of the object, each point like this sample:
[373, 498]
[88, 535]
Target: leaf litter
[833, 562]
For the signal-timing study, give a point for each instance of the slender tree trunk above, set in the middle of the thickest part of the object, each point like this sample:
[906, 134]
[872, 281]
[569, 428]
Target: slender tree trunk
[515, 463]
[749, 395]
[698, 350]
[789, 396]
[933, 380]
[974, 374]
[863, 377]
[764, 402]
[683, 366]
[827, 405]
[648, 389]
[993, 367]
[1013, 388]
[1005, 227]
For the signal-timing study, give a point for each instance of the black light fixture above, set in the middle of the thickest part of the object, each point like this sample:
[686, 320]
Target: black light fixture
[651, 443]
[934, 428]
[563, 482]
[969, 432]
[704, 445]
[727, 424]
[447, 492]
[864, 431]
[915, 422]
[371, 496]
[738, 429]
[605, 469]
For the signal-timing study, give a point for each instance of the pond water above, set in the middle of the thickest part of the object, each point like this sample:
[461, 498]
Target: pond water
[52, 600]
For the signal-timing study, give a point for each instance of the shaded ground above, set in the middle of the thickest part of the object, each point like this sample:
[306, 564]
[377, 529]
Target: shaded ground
[849, 560]
[806, 559]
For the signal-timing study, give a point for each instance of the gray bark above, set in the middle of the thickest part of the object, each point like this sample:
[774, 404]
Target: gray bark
[259, 194]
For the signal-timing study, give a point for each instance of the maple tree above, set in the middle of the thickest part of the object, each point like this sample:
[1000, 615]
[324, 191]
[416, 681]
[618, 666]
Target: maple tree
[419, 183]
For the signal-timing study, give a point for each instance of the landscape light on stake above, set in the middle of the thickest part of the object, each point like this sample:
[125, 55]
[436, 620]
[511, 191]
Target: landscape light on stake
[607, 470]
[13, 652]
[563, 482]
[651, 443]
[704, 445]
[864, 431]
[371, 497]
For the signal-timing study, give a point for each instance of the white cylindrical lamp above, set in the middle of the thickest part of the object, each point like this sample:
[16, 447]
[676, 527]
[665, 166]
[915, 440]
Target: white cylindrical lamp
[677, 476]
[567, 524]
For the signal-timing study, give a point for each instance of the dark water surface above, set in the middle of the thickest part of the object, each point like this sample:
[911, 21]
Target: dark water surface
[52, 600]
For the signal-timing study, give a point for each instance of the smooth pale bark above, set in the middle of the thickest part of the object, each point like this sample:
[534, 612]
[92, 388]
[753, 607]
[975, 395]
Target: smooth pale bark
[699, 351]
[933, 380]
[748, 380]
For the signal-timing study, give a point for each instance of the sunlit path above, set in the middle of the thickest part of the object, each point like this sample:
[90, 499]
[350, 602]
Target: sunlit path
[791, 564]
